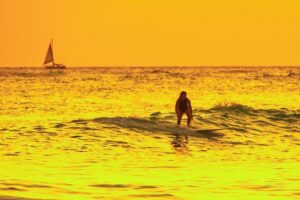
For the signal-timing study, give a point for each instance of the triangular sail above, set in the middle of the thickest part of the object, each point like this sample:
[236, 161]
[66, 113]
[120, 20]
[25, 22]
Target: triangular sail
[49, 57]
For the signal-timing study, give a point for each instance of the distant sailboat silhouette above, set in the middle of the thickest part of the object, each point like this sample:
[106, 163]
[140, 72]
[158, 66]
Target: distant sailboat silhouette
[49, 60]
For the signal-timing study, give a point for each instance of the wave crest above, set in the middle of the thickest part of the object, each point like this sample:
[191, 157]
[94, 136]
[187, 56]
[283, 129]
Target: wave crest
[141, 124]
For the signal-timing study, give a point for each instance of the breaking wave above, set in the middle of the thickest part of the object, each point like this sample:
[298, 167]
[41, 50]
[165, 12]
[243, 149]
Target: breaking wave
[140, 124]
[217, 121]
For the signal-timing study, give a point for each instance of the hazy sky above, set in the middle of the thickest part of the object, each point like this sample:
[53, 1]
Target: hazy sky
[150, 32]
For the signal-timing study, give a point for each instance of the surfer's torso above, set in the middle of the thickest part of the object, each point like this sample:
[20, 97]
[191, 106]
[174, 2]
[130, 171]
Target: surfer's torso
[183, 105]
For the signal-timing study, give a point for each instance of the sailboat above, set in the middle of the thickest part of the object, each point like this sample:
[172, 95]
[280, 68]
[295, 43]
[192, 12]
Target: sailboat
[49, 60]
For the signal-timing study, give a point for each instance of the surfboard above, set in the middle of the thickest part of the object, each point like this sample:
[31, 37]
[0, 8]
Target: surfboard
[198, 132]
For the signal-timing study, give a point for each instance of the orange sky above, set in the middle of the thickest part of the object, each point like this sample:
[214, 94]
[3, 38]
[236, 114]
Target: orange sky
[150, 32]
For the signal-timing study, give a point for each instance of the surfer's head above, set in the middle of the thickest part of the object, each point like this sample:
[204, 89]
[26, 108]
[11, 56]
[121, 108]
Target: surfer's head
[182, 95]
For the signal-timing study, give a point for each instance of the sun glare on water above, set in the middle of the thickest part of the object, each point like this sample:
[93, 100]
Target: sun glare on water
[110, 133]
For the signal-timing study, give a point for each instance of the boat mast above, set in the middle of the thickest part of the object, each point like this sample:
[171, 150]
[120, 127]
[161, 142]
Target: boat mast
[52, 51]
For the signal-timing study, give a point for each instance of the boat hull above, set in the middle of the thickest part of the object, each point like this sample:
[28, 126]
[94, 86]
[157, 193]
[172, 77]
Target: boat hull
[56, 67]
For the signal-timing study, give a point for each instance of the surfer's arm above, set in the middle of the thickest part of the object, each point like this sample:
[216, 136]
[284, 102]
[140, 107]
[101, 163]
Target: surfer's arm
[177, 107]
[190, 109]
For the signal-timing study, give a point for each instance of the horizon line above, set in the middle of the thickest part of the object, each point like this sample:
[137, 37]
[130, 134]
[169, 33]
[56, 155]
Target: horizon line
[156, 66]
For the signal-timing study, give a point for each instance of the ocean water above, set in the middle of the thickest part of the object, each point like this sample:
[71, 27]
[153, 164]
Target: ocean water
[110, 133]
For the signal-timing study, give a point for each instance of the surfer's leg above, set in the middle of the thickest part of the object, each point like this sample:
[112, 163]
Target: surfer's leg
[189, 119]
[179, 117]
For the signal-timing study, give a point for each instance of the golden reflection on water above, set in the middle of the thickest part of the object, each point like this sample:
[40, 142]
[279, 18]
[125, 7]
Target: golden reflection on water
[111, 134]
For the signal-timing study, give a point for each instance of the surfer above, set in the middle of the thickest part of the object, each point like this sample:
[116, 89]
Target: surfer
[183, 106]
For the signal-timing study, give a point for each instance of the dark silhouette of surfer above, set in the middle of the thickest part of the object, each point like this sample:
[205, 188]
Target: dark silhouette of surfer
[183, 106]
